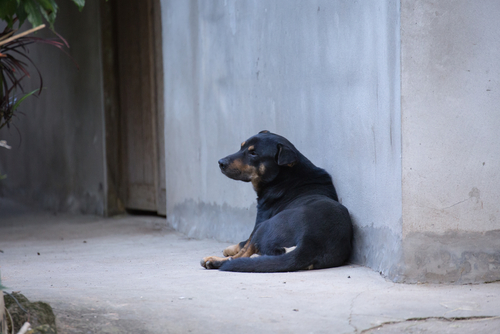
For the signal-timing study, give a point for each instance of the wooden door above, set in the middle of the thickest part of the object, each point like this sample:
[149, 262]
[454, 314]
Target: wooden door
[140, 80]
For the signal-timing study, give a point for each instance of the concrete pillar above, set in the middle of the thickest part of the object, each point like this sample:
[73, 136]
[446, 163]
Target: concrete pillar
[450, 90]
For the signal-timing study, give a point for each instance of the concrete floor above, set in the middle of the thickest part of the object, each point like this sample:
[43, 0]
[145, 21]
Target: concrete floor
[133, 274]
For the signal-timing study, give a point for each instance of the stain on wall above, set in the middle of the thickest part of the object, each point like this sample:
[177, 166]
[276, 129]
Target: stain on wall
[456, 257]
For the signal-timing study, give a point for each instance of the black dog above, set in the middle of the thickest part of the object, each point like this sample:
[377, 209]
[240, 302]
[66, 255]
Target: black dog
[300, 223]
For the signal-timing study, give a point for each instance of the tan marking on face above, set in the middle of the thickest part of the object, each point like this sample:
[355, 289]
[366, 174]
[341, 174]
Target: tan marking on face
[262, 169]
[251, 148]
[256, 183]
[243, 144]
[249, 171]
[231, 250]
[238, 164]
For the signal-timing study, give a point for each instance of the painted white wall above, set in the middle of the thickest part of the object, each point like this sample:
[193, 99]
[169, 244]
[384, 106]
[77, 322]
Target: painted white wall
[323, 74]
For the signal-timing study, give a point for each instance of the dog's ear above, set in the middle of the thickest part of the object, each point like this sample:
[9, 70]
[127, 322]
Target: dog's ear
[286, 156]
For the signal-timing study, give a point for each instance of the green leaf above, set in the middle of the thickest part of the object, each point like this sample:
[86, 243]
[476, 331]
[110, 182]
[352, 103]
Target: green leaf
[21, 15]
[9, 20]
[80, 4]
[8, 11]
[50, 16]
[48, 8]
[33, 10]
[7, 8]
[18, 102]
[47, 5]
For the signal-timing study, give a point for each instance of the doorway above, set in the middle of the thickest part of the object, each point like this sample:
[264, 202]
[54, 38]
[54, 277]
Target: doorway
[133, 88]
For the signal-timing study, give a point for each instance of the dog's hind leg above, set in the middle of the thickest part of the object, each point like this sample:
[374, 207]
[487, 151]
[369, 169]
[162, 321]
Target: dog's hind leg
[248, 250]
[231, 250]
[234, 249]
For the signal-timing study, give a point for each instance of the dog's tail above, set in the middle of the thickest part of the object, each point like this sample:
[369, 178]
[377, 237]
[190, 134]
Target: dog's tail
[291, 261]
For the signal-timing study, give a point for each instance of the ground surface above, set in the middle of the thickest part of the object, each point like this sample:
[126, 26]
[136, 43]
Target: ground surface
[134, 275]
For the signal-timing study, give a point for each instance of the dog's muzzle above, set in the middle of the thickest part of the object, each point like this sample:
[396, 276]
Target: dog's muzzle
[223, 163]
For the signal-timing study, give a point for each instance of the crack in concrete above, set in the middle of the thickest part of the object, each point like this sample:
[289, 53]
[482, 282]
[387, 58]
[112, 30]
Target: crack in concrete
[350, 311]
[450, 319]
[454, 204]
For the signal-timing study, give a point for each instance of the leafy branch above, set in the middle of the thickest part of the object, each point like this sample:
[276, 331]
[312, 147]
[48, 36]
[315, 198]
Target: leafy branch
[14, 59]
[14, 62]
[32, 10]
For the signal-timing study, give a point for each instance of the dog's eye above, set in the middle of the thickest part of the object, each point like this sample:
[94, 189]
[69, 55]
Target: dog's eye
[252, 152]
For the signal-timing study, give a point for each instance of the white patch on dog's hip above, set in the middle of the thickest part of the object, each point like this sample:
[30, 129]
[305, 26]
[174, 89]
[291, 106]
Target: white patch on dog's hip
[289, 249]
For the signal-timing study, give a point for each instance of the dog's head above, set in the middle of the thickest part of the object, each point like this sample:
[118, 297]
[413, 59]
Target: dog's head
[260, 159]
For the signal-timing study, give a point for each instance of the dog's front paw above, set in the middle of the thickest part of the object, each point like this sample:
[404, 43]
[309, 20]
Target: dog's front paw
[213, 262]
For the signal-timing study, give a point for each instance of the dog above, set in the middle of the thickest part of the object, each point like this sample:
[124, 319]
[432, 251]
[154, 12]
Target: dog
[300, 223]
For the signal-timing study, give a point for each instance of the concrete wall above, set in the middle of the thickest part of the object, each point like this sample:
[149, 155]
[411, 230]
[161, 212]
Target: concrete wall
[57, 157]
[325, 74]
[451, 147]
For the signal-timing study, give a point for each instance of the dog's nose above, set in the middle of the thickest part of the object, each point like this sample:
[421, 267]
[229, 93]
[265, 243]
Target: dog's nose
[222, 164]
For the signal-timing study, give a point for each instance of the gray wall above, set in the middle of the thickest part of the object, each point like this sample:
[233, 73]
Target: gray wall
[324, 74]
[57, 160]
[451, 143]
